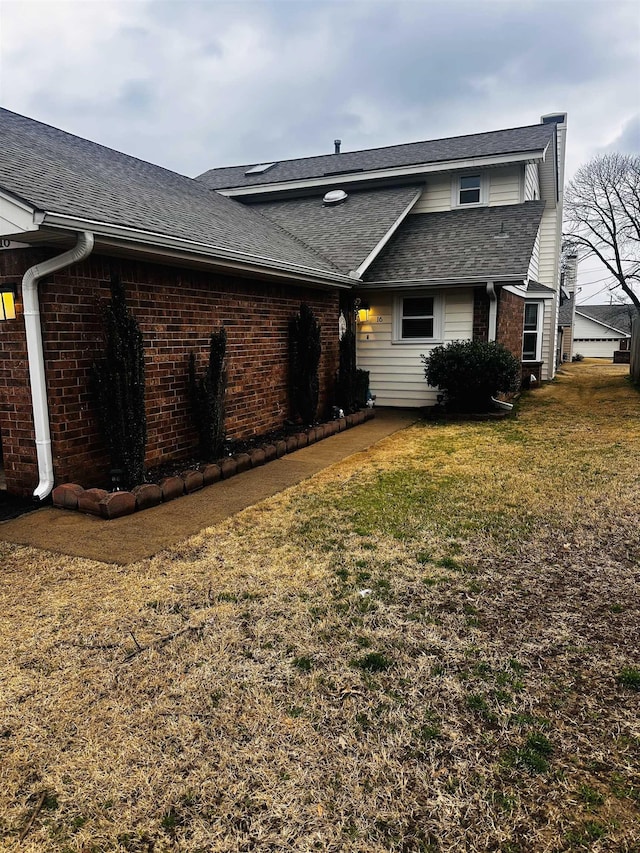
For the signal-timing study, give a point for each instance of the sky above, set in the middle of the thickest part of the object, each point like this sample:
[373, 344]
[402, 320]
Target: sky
[195, 85]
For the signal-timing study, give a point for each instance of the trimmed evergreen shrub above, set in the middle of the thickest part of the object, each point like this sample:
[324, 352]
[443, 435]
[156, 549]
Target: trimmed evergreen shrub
[362, 387]
[346, 385]
[305, 349]
[120, 385]
[207, 397]
[471, 373]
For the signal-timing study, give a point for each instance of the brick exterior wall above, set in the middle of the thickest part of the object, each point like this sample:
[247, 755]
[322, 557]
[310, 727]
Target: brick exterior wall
[480, 314]
[510, 322]
[177, 309]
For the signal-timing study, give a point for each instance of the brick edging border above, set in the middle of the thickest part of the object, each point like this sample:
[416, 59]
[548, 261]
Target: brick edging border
[108, 505]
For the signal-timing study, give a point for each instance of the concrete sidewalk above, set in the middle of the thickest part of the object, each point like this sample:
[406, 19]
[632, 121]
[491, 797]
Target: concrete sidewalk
[133, 537]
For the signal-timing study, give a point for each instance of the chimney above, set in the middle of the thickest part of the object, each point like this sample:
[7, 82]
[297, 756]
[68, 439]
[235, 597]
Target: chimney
[337, 143]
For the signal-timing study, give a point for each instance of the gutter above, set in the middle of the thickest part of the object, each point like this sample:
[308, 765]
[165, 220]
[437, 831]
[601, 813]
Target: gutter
[33, 329]
[493, 312]
[226, 256]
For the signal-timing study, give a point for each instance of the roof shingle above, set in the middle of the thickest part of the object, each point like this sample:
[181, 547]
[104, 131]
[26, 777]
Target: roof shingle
[58, 172]
[461, 244]
[345, 233]
[496, 142]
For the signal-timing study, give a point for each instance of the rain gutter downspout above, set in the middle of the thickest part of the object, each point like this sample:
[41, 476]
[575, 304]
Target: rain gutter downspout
[493, 312]
[33, 329]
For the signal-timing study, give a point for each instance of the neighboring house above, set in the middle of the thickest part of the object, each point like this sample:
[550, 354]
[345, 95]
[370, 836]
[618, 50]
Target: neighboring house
[566, 314]
[449, 239]
[601, 330]
[434, 241]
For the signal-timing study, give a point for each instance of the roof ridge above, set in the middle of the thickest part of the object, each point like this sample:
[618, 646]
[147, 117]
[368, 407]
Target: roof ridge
[381, 147]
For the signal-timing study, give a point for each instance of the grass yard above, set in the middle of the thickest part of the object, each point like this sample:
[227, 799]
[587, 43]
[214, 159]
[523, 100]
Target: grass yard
[432, 647]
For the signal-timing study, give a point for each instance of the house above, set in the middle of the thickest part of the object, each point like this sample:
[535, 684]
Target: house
[567, 309]
[432, 241]
[447, 239]
[601, 330]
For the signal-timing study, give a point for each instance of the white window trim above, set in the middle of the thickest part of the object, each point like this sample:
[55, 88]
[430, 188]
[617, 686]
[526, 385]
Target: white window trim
[484, 190]
[438, 318]
[539, 330]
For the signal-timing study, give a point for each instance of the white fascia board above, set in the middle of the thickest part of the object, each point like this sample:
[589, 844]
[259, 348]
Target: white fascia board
[364, 266]
[17, 216]
[601, 323]
[436, 282]
[377, 174]
[228, 257]
[516, 290]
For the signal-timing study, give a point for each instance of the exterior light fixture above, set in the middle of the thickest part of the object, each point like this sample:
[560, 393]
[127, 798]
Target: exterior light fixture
[7, 302]
[362, 311]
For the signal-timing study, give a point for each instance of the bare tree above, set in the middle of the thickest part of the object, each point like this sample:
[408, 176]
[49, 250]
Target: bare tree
[602, 217]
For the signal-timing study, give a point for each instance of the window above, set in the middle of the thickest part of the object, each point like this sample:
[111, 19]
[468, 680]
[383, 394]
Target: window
[532, 336]
[467, 190]
[417, 318]
[470, 189]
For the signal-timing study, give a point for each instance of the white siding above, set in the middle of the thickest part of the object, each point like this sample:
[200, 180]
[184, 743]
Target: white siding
[534, 263]
[396, 370]
[531, 182]
[436, 196]
[505, 185]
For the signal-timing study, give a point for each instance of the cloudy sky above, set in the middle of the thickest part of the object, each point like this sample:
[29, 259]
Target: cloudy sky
[193, 85]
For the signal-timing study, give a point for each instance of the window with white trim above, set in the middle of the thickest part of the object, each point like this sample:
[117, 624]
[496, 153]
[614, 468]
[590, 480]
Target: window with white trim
[418, 318]
[532, 333]
[469, 190]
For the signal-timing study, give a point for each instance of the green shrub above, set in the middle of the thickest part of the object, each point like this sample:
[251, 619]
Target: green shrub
[346, 388]
[471, 373]
[305, 349]
[362, 387]
[207, 397]
[120, 383]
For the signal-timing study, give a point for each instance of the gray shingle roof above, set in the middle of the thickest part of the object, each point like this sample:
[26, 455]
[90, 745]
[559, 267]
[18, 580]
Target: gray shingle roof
[514, 140]
[565, 312]
[461, 244]
[345, 233]
[617, 316]
[60, 173]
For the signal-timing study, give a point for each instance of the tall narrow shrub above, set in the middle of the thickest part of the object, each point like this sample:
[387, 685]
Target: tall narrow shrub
[304, 360]
[120, 384]
[207, 397]
[346, 385]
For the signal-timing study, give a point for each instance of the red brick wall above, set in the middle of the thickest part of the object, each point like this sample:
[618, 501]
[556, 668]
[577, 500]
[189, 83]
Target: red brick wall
[510, 322]
[480, 314]
[177, 310]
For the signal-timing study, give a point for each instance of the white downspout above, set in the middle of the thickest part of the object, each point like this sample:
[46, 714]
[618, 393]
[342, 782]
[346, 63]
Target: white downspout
[493, 312]
[30, 280]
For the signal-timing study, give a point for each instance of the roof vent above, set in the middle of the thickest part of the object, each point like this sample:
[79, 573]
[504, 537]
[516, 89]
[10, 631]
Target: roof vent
[336, 145]
[334, 197]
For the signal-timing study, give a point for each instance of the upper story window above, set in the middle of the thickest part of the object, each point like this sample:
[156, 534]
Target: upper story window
[532, 337]
[469, 190]
[418, 318]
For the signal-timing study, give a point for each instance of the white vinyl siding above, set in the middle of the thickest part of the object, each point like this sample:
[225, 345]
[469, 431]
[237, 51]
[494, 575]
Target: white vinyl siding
[534, 263]
[436, 196]
[531, 182]
[505, 186]
[396, 370]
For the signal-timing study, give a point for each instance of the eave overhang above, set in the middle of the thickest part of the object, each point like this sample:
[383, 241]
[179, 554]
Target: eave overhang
[397, 172]
[37, 227]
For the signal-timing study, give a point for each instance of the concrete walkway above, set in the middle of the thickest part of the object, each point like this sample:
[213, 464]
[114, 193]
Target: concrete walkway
[125, 540]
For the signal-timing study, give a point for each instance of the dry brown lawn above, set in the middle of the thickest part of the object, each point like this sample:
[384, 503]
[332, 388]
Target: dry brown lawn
[431, 647]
